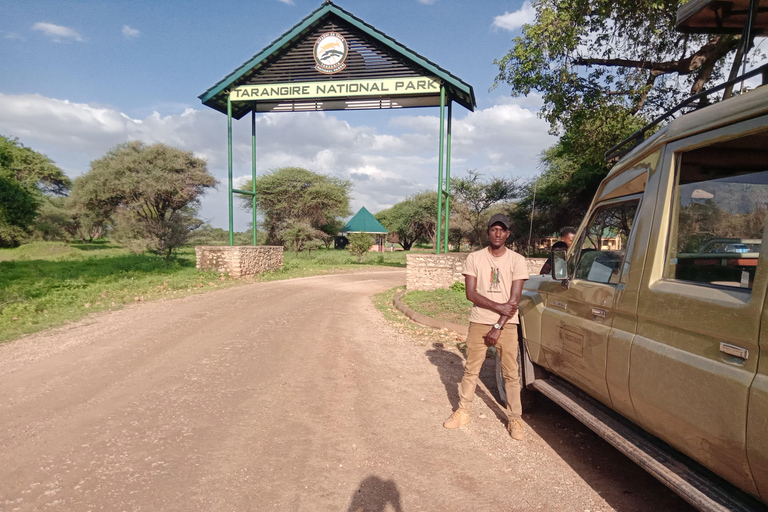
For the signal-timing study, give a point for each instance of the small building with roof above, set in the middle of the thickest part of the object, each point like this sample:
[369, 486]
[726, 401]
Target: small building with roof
[364, 222]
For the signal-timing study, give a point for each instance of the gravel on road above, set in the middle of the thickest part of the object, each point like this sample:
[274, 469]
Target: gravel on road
[288, 395]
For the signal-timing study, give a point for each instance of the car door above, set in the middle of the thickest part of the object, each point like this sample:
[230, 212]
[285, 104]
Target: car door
[695, 353]
[577, 319]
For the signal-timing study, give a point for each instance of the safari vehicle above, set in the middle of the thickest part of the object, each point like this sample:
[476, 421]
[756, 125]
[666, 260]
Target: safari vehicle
[660, 345]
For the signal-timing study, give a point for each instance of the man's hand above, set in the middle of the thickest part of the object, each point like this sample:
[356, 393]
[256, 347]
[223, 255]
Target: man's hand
[492, 337]
[507, 309]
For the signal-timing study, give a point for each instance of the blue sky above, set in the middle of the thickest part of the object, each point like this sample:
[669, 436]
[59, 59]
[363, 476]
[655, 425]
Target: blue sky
[76, 78]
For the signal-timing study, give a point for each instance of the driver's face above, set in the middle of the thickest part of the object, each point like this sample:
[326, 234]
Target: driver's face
[568, 239]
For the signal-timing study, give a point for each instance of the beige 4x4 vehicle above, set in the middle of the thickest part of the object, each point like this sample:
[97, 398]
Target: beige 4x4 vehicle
[656, 317]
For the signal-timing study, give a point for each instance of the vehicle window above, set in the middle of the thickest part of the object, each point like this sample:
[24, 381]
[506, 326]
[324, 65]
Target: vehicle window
[603, 246]
[718, 220]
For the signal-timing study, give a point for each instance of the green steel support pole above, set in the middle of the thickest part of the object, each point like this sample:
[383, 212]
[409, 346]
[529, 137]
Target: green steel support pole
[448, 175]
[253, 169]
[440, 170]
[229, 171]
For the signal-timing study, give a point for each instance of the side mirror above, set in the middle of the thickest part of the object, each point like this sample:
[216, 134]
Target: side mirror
[559, 265]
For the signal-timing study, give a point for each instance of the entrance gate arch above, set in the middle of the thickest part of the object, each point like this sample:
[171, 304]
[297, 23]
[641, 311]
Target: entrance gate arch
[332, 60]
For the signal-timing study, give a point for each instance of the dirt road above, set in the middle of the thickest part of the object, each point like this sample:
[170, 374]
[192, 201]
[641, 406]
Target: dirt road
[291, 395]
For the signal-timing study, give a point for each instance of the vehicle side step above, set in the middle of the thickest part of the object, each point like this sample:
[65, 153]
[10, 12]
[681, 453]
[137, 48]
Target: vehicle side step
[694, 483]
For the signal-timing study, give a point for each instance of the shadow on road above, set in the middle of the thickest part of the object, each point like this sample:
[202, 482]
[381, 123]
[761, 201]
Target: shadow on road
[619, 481]
[451, 368]
[374, 494]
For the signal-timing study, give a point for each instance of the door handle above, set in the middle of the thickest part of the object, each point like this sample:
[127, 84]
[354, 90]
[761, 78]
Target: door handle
[733, 350]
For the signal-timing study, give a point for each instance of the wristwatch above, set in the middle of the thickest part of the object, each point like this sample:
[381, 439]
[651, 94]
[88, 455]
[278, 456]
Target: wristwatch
[498, 326]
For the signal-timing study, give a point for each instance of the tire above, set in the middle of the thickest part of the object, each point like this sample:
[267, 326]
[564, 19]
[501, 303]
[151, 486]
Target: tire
[528, 397]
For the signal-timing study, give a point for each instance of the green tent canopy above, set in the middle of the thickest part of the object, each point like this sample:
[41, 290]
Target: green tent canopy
[364, 222]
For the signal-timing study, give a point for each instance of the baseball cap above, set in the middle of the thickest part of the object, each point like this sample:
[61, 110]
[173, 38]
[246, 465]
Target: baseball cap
[499, 218]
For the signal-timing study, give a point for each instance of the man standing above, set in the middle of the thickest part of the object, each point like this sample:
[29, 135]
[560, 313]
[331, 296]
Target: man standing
[494, 279]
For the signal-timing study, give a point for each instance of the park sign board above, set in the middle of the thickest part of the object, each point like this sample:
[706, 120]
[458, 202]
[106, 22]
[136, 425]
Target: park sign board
[337, 89]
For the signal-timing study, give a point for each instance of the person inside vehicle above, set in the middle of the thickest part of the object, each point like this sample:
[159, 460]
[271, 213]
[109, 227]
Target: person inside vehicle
[566, 239]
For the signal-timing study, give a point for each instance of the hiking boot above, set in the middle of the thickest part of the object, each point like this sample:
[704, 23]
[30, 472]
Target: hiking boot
[515, 429]
[459, 418]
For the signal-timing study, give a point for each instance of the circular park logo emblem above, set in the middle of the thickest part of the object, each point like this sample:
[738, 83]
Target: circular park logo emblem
[330, 53]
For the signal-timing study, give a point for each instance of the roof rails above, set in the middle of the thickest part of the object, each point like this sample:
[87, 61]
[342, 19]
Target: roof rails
[637, 138]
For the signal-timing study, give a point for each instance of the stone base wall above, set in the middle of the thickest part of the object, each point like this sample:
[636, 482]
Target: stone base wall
[433, 271]
[239, 260]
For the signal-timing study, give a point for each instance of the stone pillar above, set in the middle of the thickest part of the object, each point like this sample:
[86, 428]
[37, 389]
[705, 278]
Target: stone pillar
[239, 260]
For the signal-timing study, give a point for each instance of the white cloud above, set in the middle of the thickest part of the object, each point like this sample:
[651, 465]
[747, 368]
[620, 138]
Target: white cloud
[427, 2]
[385, 164]
[11, 36]
[130, 33]
[516, 19]
[287, 2]
[57, 33]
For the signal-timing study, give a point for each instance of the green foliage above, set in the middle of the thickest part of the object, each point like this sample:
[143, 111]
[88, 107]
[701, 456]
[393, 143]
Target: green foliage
[295, 194]
[209, 235]
[459, 286]
[586, 55]
[53, 221]
[26, 176]
[474, 199]
[296, 234]
[412, 220]
[151, 193]
[444, 304]
[18, 207]
[47, 284]
[359, 244]
[34, 170]
[572, 171]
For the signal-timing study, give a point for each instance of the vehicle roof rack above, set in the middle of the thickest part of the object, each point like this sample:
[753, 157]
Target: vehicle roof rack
[697, 101]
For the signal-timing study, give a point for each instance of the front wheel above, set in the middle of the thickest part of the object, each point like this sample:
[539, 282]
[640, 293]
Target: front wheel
[528, 397]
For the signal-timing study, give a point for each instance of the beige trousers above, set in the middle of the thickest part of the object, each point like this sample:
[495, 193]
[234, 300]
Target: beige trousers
[476, 350]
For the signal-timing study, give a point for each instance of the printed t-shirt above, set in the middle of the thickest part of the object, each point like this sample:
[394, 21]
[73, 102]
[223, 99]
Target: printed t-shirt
[494, 280]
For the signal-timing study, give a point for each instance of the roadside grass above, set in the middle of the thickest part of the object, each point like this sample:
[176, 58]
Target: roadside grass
[46, 284]
[448, 305]
[421, 334]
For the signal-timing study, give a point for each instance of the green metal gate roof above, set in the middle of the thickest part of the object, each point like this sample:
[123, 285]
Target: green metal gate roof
[380, 55]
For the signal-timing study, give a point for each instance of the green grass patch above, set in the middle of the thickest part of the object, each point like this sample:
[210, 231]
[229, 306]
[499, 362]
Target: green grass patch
[448, 305]
[45, 284]
[420, 333]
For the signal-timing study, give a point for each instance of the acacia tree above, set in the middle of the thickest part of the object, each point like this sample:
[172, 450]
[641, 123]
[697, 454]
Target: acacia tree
[151, 193]
[413, 219]
[296, 194]
[587, 55]
[474, 197]
[26, 179]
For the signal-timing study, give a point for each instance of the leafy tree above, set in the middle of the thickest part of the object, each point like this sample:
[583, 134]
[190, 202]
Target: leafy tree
[571, 172]
[26, 177]
[53, 221]
[35, 170]
[474, 197]
[412, 220]
[329, 231]
[151, 192]
[359, 245]
[297, 234]
[18, 207]
[590, 55]
[295, 194]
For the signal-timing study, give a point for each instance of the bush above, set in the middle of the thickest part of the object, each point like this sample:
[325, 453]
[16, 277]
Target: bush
[359, 244]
